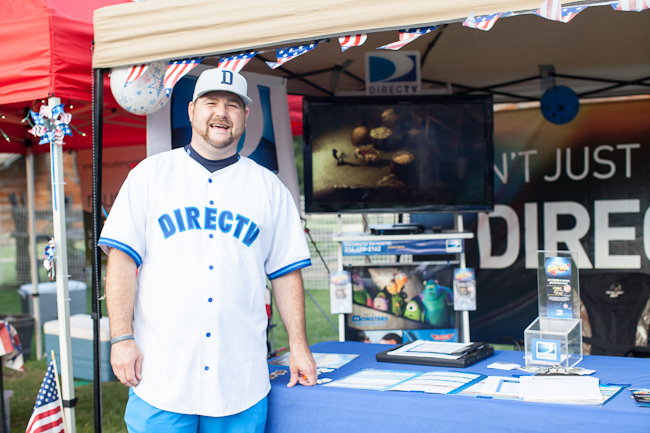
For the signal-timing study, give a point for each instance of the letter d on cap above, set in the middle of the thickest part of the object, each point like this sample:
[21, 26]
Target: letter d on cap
[227, 77]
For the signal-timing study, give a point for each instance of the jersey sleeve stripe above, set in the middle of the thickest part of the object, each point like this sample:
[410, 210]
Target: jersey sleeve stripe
[283, 271]
[122, 247]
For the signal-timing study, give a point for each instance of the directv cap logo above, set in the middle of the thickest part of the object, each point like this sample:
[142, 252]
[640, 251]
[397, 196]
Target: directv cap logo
[227, 77]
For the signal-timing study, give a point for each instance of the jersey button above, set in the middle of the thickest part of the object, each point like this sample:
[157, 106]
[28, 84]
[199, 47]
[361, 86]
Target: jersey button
[210, 180]
[211, 236]
[211, 267]
[207, 368]
[211, 202]
[209, 299]
[207, 335]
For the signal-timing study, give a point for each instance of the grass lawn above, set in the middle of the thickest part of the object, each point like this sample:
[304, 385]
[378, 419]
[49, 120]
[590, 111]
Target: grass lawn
[114, 395]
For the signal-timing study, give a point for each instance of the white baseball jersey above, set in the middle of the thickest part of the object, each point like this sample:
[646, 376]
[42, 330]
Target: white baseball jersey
[204, 244]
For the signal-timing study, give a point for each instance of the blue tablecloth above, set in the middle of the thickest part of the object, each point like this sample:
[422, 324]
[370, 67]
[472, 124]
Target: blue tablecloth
[332, 410]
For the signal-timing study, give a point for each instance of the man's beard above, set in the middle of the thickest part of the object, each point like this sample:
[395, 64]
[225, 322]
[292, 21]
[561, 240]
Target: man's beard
[228, 141]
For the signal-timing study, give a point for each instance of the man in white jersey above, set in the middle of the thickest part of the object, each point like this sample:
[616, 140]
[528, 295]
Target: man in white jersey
[191, 239]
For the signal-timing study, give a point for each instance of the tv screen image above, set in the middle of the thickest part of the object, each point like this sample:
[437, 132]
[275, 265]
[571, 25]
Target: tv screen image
[403, 296]
[415, 154]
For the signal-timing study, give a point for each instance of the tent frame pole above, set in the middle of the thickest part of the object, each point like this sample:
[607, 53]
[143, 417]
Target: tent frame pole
[98, 109]
[61, 263]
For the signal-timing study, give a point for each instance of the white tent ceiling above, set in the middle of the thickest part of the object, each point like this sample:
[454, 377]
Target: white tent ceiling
[598, 43]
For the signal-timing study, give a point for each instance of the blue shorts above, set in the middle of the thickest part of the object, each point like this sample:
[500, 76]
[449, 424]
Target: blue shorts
[141, 417]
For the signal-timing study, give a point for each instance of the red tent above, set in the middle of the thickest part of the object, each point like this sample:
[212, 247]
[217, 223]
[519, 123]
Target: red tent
[46, 51]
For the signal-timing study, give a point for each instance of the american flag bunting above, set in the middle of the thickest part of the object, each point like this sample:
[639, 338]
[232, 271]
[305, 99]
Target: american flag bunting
[134, 73]
[569, 13]
[350, 41]
[406, 36]
[236, 63]
[632, 5]
[551, 10]
[289, 53]
[47, 416]
[484, 22]
[177, 70]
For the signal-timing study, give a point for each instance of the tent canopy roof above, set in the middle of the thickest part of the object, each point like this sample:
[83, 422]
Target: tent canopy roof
[157, 30]
[46, 49]
[598, 43]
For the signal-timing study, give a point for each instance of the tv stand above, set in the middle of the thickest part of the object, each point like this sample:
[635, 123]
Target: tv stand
[367, 244]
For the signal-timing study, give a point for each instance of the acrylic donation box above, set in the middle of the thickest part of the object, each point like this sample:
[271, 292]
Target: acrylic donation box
[555, 337]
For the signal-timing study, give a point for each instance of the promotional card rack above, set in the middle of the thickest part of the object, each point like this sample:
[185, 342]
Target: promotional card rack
[555, 337]
[366, 244]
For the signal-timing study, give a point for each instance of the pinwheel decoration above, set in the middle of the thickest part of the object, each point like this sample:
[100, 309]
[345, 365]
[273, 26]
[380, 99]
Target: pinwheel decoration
[51, 124]
[48, 258]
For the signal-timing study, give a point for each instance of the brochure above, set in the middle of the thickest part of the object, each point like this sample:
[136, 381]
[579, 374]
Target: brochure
[370, 378]
[437, 382]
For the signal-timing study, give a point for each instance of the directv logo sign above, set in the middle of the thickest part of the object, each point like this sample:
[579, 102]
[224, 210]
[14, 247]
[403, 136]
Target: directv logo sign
[393, 73]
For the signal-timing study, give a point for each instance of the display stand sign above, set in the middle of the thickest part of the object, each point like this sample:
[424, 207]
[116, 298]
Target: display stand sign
[399, 247]
[555, 337]
[464, 289]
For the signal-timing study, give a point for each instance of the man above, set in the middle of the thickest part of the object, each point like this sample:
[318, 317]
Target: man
[202, 227]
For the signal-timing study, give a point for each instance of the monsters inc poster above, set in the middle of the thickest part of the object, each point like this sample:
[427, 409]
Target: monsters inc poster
[415, 298]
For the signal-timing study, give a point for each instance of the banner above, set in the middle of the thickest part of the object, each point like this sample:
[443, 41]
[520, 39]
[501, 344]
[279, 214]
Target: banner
[582, 186]
[267, 139]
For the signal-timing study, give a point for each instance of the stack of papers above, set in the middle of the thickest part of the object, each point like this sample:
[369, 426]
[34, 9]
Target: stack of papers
[560, 388]
[434, 349]
[504, 387]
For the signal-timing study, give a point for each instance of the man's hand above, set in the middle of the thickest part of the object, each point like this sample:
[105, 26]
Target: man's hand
[302, 367]
[126, 360]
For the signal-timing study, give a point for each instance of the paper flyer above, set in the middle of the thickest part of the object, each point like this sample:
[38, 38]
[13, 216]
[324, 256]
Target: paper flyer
[464, 289]
[340, 292]
[559, 293]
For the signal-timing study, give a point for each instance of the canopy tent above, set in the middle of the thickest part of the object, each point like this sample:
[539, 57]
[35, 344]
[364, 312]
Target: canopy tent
[46, 51]
[599, 43]
[602, 52]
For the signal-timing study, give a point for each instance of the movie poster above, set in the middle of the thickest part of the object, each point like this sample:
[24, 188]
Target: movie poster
[410, 300]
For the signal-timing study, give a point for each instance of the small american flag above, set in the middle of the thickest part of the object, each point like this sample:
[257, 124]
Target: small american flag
[484, 22]
[350, 41]
[177, 70]
[631, 5]
[290, 53]
[47, 416]
[569, 13]
[406, 36]
[134, 73]
[551, 10]
[236, 63]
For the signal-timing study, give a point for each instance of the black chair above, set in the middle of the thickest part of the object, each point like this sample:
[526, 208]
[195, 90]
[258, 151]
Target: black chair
[617, 305]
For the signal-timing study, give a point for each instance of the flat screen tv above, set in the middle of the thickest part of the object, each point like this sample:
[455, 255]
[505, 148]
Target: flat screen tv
[398, 154]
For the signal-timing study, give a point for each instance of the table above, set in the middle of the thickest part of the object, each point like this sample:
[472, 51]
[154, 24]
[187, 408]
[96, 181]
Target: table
[332, 410]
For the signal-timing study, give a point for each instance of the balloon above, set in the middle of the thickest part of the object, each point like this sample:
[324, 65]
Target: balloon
[145, 95]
